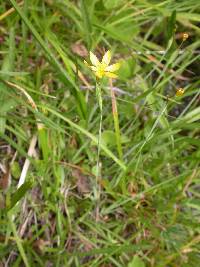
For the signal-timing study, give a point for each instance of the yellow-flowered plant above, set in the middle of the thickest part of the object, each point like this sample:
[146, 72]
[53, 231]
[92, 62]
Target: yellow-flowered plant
[180, 92]
[102, 69]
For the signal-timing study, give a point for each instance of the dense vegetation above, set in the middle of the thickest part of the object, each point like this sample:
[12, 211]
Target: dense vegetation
[83, 184]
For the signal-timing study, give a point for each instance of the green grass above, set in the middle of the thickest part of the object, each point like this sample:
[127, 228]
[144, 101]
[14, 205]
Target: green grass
[148, 189]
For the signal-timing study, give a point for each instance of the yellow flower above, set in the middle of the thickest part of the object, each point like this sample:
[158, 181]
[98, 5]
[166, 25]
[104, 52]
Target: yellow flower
[180, 92]
[185, 36]
[103, 68]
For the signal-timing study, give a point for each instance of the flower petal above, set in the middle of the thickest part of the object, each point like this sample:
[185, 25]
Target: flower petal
[94, 59]
[113, 68]
[110, 74]
[106, 58]
[93, 68]
[85, 62]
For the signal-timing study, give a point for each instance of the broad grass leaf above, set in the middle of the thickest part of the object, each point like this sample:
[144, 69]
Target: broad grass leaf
[123, 32]
[127, 69]
[171, 27]
[20, 193]
[15, 170]
[136, 262]
[110, 4]
[6, 105]
[192, 116]
[7, 65]
[109, 138]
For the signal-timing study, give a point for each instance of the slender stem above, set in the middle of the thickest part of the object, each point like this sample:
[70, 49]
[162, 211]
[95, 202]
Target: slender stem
[18, 240]
[116, 120]
[98, 169]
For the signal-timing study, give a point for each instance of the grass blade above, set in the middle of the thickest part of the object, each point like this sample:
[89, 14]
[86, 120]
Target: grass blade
[50, 56]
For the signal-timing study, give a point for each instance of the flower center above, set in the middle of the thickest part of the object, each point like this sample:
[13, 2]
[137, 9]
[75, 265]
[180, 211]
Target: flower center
[101, 69]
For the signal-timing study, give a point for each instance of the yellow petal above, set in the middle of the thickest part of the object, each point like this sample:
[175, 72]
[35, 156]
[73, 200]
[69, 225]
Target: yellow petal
[106, 58]
[85, 62]
[113, 68]
[110, 74]
[94, 59]
[93, 68]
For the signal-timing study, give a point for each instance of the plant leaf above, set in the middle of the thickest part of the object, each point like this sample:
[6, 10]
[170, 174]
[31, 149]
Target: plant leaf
[19, 194]
[136, 262]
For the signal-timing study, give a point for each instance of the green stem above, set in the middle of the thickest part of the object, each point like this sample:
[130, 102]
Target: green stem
[98, 174]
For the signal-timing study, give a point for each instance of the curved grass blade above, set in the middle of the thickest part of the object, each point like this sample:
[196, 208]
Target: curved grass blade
[91, 136]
